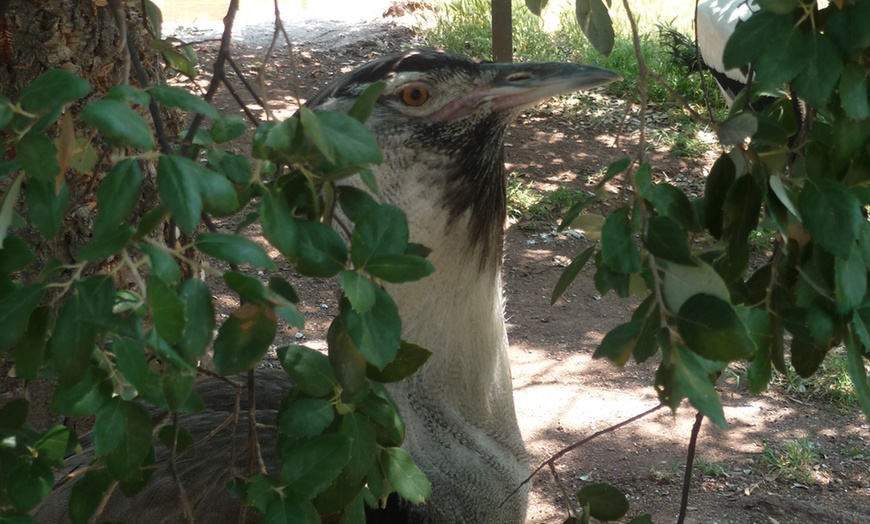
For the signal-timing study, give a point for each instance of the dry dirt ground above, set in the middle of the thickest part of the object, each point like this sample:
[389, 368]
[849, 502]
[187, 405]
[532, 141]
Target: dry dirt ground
[562, 394]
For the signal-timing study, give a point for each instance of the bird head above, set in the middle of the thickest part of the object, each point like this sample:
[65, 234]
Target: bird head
[440, 123]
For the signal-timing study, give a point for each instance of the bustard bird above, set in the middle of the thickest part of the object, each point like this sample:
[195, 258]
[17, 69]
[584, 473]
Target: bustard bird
[716, 21]
[440, 123]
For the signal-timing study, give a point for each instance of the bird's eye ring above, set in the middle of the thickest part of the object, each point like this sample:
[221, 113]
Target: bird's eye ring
[415, 96]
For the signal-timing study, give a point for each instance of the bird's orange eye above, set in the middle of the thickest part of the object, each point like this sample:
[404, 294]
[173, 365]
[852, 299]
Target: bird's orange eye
[415, 96]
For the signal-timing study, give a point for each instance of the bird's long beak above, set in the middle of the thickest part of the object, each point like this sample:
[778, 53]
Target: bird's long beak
[520, 85]
[516, 86]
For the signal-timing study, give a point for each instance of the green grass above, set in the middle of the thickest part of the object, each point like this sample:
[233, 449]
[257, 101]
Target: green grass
[526, 202]
[709, 469]
[830, 383]
[793, 460]
[667, 473]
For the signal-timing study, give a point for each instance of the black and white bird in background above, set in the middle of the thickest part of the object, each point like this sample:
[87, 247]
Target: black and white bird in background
[715, 23]
[440, 123]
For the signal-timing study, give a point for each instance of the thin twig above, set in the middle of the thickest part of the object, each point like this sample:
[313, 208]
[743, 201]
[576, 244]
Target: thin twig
[690, 463]
[576, 445]
[186, 508]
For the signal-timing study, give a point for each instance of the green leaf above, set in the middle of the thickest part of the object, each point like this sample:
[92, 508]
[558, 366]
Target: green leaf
[151, 221]
[234, 249]
[131, 361]
[55, 444]
[307, 417]
[86, 396]
[182, 99]
[817, 81]
[134, 444]
[235, 167]
[87, 495]
[380, 409]
[179, 190]
[399, 268]
[668, 200]
[28, 483]
[71, 344]
[355, 203]
[30, 350]
[119, 124]
[167, 311]
[118, 194]
[279, 226]
[53, 89]
[311, 466]
[358, 429]
[855, 364]
[163, 266]
[219, 196]
[618, 250]
[807, 356]
[14, 414]
[832, 214]
[106, 243]
[365, 102]
[570, 274]
[15, 309]
[354, 145]
[666, 239]
[741, 212]
[183, 442]
[129, 94]
[228, 127]
[109, 426]
[377, 333]
[409, 358]
[46, 204]
[243, 339]
[779, 49]
[6, 112]
[613, 169]
[309, 369]
[177, 386]
[313, 132]
[358, 290]
[321, 251]
[184, 62]
[605, 501]
[410, 483]
[782, 194]
[38, 156]
[346, 359]
[760, 325]
[854, 92]
[381, 232]
[738, 128]
[692, 375]
[711, 328]
[7, 207]
[619, 342]
[594, 20]
[850, 278]
[200, 314]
